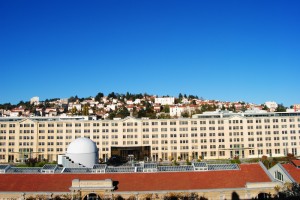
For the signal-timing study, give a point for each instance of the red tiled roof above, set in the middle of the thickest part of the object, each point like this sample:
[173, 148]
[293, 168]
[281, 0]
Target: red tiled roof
[296, 162]
[139, 181]
[293, 171]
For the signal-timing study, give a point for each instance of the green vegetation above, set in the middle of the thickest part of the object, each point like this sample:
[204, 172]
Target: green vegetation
[33, 162]
[280, 108]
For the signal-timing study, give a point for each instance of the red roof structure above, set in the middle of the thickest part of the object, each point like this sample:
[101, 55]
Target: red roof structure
[293, 171]
[139, 181]
[296, 162]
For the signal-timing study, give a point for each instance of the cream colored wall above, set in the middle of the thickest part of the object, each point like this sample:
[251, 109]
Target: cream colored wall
[96, 134]
[209, 194]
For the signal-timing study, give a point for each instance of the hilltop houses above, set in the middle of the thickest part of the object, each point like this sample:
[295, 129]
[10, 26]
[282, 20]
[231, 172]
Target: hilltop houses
[139, 105]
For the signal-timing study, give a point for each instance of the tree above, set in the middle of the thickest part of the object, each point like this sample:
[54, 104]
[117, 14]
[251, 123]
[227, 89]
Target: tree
[6, 106]
[280, 108]
[166, 109]
[31, 162]
[72, 99]
[74, 110]
[290, 191]
[112, 115]
[223, 107]
[85, 110]
[180, 96]
[99, 96]
[185, 114]
[112, 95]
[164, 116]
[142, 113]
[122, 112]
[265, 107]
[193, 102]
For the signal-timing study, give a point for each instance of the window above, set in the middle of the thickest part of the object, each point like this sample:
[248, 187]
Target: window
[68, 125]
[278, 176]
[194, 129]
[183, 122]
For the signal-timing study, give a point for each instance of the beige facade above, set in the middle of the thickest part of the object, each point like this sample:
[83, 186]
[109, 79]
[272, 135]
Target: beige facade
[242, 193]
[211, 136]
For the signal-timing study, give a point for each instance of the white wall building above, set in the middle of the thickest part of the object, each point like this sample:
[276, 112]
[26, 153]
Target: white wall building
[35, 100]
[165, 100]
[271, 105]
[176, 110]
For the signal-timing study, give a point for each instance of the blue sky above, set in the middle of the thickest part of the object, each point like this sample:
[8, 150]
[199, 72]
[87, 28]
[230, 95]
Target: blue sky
[226, 50]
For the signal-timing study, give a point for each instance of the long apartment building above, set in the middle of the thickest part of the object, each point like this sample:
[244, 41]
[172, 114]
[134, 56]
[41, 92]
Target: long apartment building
[217, 135]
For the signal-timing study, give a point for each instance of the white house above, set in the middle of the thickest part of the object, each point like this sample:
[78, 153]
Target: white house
[35, 100]
[286, 173]
[137, 101]
[271, 105]
[176, 110]
[165, 100]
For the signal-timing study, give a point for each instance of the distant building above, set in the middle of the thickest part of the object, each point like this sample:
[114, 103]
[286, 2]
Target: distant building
[76, 105]
[17, 112]
[286, 173]
[271, 105]
[176, 110]
[35, 100]
[165, 100]
[296, 107]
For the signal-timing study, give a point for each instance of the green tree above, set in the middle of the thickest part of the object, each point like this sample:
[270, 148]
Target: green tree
[280, 108]
[193, 102]
[112, 95]
[74, 110]
[85, 110]
[265, 107]
[164, 116]
[142, 113]
[180, 96]
[123, 112]
[166, 109]
[290, 191]
[223, 107]
[112, 115]
[185, 114]
[99, 96]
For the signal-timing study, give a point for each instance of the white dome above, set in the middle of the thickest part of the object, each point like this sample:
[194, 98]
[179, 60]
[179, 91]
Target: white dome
[82, 146]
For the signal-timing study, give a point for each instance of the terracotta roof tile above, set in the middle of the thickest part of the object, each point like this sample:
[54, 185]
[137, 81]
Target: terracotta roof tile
[293, 171]
[296, 162]
[139, 181]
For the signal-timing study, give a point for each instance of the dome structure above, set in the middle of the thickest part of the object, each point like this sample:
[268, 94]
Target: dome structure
[83, 152]
[82, 145]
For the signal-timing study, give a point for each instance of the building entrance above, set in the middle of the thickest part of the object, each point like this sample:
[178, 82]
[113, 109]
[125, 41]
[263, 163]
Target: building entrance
[92, 196]
[132, 153]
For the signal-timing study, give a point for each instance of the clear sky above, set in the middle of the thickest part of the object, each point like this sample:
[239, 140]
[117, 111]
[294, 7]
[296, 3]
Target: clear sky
[226, 50]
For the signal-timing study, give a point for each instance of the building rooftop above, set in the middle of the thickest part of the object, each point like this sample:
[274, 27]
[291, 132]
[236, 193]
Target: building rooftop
[158, 181]
[293, 171]
[215, 114]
